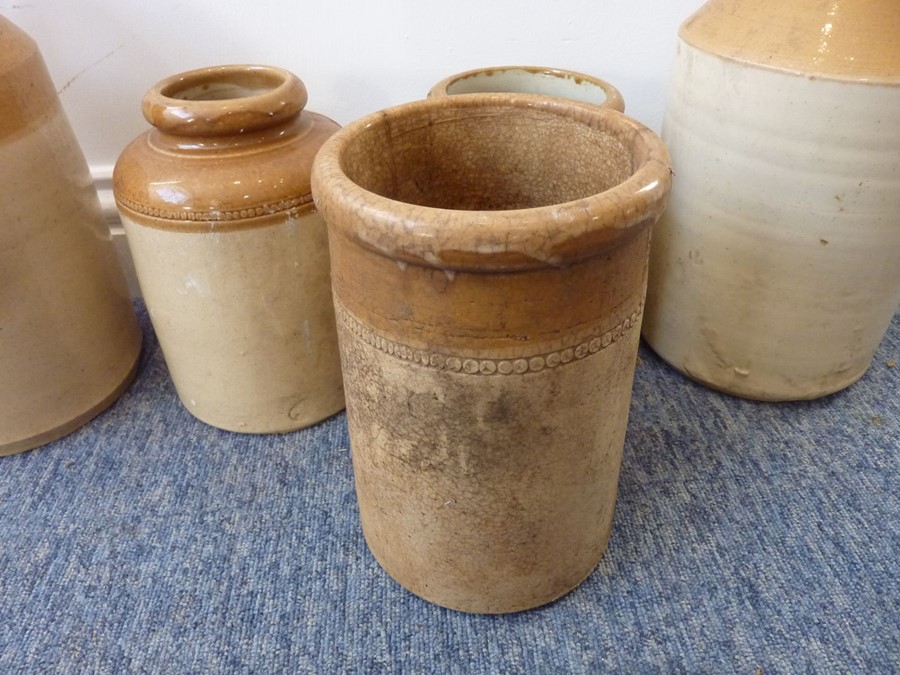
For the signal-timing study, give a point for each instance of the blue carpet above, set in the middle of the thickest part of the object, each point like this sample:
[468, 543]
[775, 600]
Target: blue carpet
[748, 536]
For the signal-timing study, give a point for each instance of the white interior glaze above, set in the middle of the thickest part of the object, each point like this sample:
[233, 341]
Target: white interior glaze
[523, 81]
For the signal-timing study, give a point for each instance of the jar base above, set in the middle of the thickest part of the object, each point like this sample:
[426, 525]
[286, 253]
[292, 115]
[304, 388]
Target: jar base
[241, 427]
[71, 425]
[769, 394]
[465, 602]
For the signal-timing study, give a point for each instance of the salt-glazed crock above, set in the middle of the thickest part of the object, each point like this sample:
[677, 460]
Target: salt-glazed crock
[230, 254]
[532, 80]
[489, 262]
[69, 339]
[775, 271]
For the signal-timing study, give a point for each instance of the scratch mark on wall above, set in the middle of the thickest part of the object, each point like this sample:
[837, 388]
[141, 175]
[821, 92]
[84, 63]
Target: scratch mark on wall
[87, 68]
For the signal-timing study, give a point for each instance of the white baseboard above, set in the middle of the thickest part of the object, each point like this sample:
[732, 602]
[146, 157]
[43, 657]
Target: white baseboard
[103, 182]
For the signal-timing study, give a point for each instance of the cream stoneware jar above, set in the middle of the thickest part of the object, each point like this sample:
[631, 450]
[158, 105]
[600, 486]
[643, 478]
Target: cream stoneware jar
[230, 254]
[69, 339]
[489, 259]
[532, 80]
[775, 271]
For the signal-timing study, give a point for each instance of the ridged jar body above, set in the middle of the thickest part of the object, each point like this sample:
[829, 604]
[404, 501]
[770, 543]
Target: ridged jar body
[230, 254]
[488, 305]
[69, 339]
[775, 271]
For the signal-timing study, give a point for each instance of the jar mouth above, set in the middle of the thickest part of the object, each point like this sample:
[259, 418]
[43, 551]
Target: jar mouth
[224, 100]
[544, 81]
[492, 180]
[224, 84]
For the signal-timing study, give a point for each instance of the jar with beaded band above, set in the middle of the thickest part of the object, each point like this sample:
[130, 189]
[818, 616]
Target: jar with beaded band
[489, 256]
[230, 254]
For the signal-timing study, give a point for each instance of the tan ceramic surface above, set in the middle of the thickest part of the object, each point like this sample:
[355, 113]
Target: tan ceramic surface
[775, 271]
[69, 340]
[845, 39]
[231, 257]
[532, 80]
[489, 259]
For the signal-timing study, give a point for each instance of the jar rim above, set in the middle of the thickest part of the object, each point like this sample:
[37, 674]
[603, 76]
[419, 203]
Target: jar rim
[224, 100]
[612, 97]
[522, 238]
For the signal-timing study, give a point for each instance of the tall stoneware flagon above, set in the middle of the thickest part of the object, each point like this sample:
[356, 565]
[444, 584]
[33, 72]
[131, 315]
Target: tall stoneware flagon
[489, 261]
[69, 339]
[230, 254]
[775, 271]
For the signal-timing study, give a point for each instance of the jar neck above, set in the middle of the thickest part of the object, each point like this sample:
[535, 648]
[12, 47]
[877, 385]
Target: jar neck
[243, 141]
[225, 101]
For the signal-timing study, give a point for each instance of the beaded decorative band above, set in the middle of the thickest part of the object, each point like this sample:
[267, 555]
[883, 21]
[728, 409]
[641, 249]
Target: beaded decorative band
[488, 366]
[218, 220]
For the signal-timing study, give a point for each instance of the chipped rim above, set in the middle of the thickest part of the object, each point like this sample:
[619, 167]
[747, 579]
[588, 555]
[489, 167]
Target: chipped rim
[517, 239]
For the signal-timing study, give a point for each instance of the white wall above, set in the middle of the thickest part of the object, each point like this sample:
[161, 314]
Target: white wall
[355, 57]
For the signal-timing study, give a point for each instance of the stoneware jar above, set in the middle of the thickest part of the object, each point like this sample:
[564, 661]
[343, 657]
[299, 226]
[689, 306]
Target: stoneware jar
[489, 260]
[69, 339]
[230, 254]
[775, 271]
[532, 80]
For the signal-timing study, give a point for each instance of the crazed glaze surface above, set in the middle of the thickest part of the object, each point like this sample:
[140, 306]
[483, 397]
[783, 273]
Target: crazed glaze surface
[532, 80]
[775, 271]
[69, 340]
[230, 254]
[489, 268]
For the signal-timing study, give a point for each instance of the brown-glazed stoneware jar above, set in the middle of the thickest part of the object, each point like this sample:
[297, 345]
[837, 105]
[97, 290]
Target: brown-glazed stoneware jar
[230, 254]
[69, 339]
[489, 260]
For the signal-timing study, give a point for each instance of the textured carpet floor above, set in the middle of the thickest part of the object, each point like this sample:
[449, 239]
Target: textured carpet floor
[748, 536]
